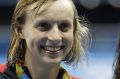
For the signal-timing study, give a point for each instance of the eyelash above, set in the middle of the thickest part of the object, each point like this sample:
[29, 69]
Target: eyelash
[45, 26]
[64, 27]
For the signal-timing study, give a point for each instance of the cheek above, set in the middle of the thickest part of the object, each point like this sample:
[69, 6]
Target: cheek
[30, 43]
[33, 43]
[29, 36]
[30, 40]
[69, 39]
[69, 43]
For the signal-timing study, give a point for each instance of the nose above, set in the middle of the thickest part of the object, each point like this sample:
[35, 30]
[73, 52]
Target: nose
[54, 35]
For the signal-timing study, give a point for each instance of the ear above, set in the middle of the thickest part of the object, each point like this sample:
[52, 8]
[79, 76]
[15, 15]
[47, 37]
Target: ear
[20, 32]
[21, 35]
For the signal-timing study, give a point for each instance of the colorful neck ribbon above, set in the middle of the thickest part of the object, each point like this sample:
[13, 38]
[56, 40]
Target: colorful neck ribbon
[22, 75]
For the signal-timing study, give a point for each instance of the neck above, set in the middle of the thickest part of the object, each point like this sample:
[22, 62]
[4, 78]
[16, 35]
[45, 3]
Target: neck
[39, 69]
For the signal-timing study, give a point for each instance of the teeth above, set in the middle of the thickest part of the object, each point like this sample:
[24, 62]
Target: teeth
[52, 48]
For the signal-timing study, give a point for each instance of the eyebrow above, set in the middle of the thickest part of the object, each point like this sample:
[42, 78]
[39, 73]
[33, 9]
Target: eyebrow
[65, 21]
[37, 23]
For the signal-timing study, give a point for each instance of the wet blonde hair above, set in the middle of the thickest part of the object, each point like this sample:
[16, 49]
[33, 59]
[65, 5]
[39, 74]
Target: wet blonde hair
[16, 52]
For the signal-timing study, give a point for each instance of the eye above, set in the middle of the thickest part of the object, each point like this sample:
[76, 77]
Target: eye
[43, 26]
[64, 26]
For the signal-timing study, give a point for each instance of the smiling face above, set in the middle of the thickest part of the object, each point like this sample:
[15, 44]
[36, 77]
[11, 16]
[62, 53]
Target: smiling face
[49, 35]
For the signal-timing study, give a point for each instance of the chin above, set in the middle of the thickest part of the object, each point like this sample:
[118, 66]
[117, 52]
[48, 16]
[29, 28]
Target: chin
[52, 60]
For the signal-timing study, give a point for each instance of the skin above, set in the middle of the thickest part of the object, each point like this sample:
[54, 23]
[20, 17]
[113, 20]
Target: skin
[49, 38]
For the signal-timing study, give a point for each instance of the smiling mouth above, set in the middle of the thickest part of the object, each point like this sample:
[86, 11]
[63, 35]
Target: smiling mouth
[52, 48]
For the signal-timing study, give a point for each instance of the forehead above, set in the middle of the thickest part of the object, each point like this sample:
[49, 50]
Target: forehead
[58, 8]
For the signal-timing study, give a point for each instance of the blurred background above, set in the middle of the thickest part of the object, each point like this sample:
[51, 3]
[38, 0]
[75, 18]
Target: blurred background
[104, 19]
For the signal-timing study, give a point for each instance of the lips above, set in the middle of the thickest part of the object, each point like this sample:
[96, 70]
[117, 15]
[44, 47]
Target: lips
[52, 48]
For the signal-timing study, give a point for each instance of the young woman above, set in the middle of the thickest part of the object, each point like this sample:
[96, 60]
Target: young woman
[44, 33]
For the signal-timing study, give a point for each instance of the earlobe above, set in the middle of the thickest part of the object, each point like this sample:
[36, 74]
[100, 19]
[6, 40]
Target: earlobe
[19, 32]
[21, 35]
